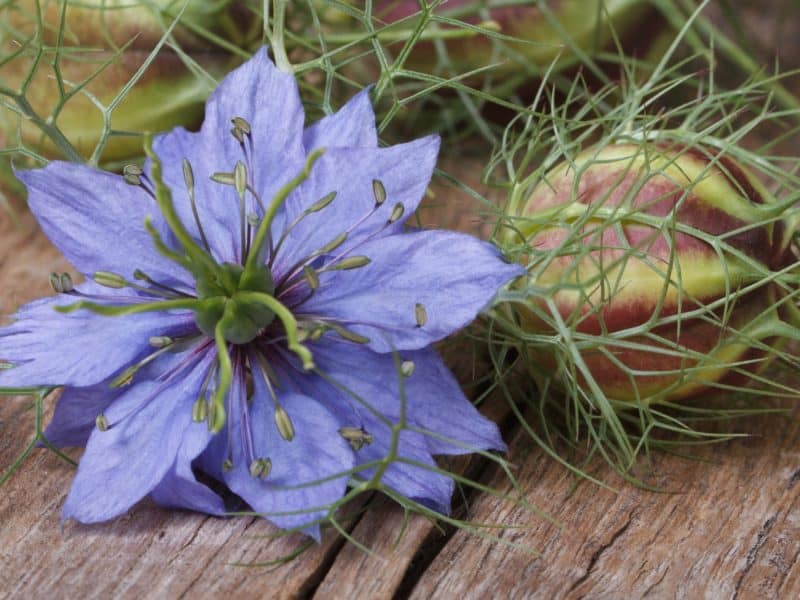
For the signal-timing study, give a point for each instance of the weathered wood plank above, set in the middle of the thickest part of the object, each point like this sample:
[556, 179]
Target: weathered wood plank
[731, 527]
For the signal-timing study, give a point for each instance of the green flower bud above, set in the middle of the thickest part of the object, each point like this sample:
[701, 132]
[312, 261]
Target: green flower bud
[657, 261]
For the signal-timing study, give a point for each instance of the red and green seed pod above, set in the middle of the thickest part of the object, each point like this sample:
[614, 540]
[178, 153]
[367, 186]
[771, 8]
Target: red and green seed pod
[656, 261]
[557, 32]
[123, 32]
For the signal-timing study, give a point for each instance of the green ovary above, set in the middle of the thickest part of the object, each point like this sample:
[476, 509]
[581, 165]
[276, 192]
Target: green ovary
[243, 318]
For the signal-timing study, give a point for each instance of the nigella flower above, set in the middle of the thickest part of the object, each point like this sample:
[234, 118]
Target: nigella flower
[255, 313]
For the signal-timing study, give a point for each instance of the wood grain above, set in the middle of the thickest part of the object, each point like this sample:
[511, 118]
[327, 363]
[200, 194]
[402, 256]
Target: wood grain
[729, 528]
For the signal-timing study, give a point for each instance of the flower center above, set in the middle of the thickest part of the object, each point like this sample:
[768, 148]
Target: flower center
[243, 318]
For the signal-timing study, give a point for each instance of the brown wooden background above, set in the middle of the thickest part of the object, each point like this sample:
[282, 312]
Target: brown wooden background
[729, 529]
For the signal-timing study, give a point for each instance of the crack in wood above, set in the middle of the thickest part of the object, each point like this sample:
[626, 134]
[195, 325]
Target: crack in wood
[438, 538]
[750, 559]
[599, 552]
[793, 479]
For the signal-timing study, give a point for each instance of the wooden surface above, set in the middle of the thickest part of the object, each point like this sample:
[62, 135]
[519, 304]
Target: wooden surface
[729, 528]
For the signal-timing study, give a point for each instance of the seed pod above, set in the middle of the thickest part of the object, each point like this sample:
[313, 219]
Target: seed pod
[554, 34]
[656, 260]
[122, 33]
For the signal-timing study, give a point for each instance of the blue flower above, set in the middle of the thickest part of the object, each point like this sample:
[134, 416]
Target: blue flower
[274, 315]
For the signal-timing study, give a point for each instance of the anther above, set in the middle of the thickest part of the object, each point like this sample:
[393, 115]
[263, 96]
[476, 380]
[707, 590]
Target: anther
[357, 437]
[240, 178]
[397, 213]
[200, 410]
[237, 134]
[188, 175]
[407, 368]
[379, 192]
[284, 423]
[223, 178]
[132, 174]
[61, 283]
[321, 203]
[347, 334]
[312, 278]
[160, 341]
[124, 378]
[66, 283]
[55, 283]
[351, 262]
[260, 468]
[253, 220]
[101, 422]
[216, 417]
[333, 244]
[420, 314]
[227, 464]
[242, 125]
[109, 280]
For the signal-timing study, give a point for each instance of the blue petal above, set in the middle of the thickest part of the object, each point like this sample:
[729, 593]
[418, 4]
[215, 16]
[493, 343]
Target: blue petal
[179, 488]
[433, 399]
[317, 452]
[149, 424]
[404, 170]
[353, 125]
[419, 481]
[452, 275]
[74, 417]
[96, 220]
[268, 99]
[80, 348]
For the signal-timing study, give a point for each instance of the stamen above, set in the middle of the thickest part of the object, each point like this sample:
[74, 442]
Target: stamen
[101, 422]
[346, 264]
[284, 423]
[316, 207]
[420, 314]
[132, 174]
[200, 409]
[379, 192]
[356, 436]
[126, 377]
[223, 178]
[407, 368]
[312, 279]
[160, 341]
[260, 468]
[397, 213]
[142, 276]
[227, 464]
[240, 183]
[345, 333]
[109, 280]
[188, 178]
[242, 125]
[61, 283]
